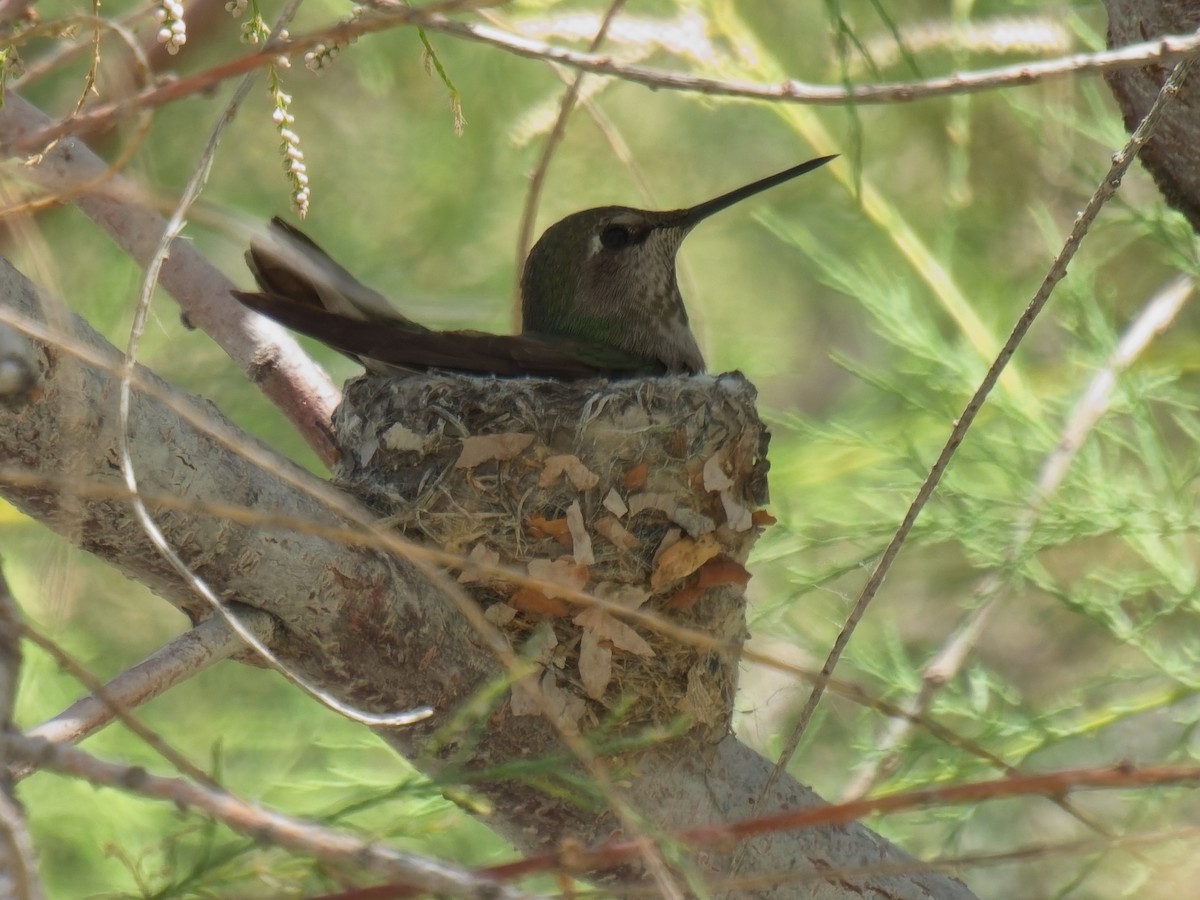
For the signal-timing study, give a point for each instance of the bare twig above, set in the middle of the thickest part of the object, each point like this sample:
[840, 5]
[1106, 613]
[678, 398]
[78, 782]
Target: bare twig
[260, 823]
[184, 656]
[1154, 318]
[1170, 48]
[18, 863]
[1051, 784]
[538, 179]
[171, 230]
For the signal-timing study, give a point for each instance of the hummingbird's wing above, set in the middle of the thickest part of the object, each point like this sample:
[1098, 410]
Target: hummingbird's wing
[304, 289]
[288, 263]
[391, 348]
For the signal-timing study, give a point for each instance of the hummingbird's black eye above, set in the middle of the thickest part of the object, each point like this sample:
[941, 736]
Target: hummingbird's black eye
[614, 237]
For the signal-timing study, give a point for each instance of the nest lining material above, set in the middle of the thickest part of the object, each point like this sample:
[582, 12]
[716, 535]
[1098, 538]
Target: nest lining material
[648, 492]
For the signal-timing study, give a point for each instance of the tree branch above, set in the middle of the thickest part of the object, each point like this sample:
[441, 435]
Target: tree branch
[371, 629]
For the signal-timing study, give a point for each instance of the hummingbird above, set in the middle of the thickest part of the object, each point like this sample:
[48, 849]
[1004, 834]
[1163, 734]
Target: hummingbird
[599, 297]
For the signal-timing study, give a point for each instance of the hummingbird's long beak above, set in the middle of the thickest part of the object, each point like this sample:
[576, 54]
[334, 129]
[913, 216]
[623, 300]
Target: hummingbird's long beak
[701, 211]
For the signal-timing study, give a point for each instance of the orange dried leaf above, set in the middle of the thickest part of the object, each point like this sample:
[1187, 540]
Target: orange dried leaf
[483, 448]
[722, 571]
[635, 478]
[683, 558]
[530, 600]
[685, 598]
[762, 518]
[541, 527]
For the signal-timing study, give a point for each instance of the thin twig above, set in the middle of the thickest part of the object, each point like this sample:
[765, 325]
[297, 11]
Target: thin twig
[1058, 270]
[1166, 49]
[181, 658]
[262, 824]
[116, 706]
[18, 861]
[1042, 784]
[171, 231]
[355, 536]
[1154, 318]
[538, 179]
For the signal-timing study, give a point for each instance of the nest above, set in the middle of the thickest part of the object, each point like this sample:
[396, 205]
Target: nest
[649, 493]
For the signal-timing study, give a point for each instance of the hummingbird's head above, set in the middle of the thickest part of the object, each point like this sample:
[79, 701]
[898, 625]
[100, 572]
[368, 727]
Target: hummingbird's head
[608, 275]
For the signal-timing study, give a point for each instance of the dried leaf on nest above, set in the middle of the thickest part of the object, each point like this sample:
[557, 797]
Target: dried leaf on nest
[481, 555]
[614, 504]
[500, 613]
[397, 437]
[722, 571]
[544, 600]
[541, 527]
[366, 452]
[672, 537]
[703, 701]
[595, 665]
[603, 626]
[600, 629]
[558, 572]
[684, 598]
[531, 600]
[482, 448]
[581, 541]
[616, 533]
[737, 514]
[581, 477]
[691, 521]
[715, 478]
[539, 693]
[683, 558]
[717, 572]
[533, 696]
[761, 518]
[635, 478]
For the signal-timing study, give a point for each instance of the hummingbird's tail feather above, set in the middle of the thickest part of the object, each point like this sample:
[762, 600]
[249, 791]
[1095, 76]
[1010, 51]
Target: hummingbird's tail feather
[287, 263]
[391, 348]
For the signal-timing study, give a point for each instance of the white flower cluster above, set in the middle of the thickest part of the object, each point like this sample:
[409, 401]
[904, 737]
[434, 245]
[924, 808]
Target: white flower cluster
[293, 164]
[320, 56]
[236, 7]
[172, 30]
[323, 54]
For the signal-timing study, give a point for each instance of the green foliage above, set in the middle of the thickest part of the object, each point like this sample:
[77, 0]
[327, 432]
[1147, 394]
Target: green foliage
[866, 307]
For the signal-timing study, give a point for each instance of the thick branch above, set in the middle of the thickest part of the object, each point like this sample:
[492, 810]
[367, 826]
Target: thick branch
[370, 629]
[1171, 154]
[268, 354]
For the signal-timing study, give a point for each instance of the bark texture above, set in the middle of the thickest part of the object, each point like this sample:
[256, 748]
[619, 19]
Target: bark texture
[1171, 155]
